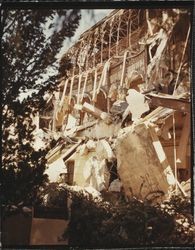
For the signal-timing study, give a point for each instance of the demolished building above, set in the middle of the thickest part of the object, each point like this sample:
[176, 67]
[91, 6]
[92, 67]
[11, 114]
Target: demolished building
[123, 110]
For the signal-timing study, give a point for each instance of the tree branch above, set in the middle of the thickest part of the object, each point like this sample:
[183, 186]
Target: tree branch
[7, 29]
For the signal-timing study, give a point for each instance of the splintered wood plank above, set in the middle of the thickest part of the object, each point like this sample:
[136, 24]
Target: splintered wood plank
[152, 114]
[71, 150]
[92, 110]
[159, 149]
[97, 113]
[164, 162]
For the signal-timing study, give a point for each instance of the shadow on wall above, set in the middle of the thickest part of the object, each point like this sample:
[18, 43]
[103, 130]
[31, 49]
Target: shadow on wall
[24, 229]
[16, 230]
[47, 231]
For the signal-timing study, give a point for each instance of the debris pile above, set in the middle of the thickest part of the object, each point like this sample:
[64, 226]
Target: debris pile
[121, 119]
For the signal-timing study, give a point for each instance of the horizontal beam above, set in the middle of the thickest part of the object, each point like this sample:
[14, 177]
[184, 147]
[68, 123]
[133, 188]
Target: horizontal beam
[176, 104]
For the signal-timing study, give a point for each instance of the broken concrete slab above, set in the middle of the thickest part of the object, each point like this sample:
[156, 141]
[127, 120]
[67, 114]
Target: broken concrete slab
[140, 170]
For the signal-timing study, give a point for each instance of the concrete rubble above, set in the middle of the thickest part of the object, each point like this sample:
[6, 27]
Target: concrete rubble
[122, 118]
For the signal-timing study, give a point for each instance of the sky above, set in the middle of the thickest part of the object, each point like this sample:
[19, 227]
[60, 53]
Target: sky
[86, 22]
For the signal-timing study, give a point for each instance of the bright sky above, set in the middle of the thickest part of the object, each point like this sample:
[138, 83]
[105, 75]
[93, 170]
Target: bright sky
[85, 23]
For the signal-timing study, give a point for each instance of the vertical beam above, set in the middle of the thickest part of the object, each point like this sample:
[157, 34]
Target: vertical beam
[54, 115]
[64, 92]
[71, 86]
[129, 36]
[128, 24]
[79, 87]
[159, 149]
[174, 149]
[110, 38]
[163, 160]
[94, 86]
[123, 69]
[103, 78]
[148, 22]
[183, 143]
[84, 87]
[103, 30]
[118, 34]
[89, 41]
[94, 46]
[181, 62]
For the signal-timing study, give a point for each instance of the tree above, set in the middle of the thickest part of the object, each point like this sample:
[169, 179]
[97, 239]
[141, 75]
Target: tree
[30, 41]
[127, 222]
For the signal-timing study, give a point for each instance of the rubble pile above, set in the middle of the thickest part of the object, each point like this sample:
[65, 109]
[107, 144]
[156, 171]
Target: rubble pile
[121, 119]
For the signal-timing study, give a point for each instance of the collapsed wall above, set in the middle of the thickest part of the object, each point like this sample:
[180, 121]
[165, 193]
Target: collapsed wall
[128, 84]
[138, 166]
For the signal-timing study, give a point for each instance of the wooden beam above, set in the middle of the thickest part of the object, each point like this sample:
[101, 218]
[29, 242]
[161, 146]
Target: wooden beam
[85, 126]
[92, 110]
[45, 117]
[159, 149]
[71, 132]
[176, 104]
[56, 152]
[163, 160]
[53, 151]
[71, 150]
[123, 69]
[183, 144]
[97, 113]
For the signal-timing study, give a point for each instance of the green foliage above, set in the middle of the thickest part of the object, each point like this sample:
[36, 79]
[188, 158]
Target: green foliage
[28, 55]
[126, 223]
[23, 167]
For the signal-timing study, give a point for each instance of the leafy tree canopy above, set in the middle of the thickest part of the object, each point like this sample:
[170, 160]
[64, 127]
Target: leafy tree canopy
[30, 41]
